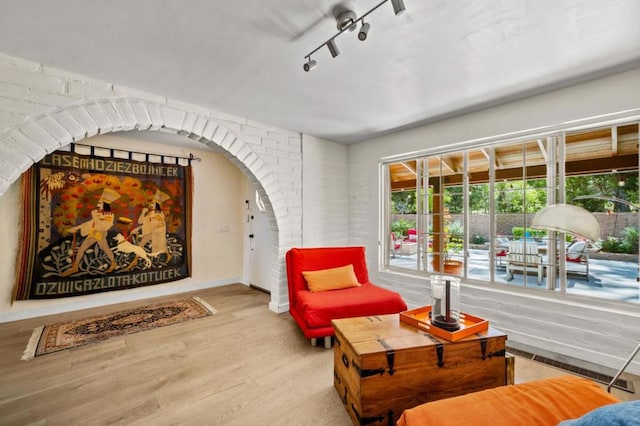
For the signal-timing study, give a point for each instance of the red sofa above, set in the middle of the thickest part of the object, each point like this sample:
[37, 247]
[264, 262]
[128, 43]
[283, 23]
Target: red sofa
[313, 311]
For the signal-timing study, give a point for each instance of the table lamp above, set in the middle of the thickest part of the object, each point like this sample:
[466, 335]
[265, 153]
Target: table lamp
[575, 220]
[569, 219]
[445, 308]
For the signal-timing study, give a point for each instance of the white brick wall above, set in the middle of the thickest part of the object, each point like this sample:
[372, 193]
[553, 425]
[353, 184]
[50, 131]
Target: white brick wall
[43, 109]
[324, 193]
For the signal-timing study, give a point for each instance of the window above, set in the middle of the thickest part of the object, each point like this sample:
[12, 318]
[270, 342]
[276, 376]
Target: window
[467, 212]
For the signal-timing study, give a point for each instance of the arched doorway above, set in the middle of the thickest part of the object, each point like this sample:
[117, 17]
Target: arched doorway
[59, 127]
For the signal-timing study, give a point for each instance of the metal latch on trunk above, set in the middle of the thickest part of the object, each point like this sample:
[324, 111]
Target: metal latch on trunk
[391, 354]
[372, 419]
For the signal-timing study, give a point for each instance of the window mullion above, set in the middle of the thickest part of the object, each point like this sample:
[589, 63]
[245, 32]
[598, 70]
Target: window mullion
[421, 172]
[560, 164]
[492, 213]
[465, 212]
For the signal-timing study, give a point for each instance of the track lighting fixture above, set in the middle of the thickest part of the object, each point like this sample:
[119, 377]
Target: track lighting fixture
[311, 64]
[347, 20]
[364, 30]
[398, 6]
[333, 49]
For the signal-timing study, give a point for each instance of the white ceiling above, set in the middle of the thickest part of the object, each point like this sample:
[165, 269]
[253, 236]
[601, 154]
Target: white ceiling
[245, 57]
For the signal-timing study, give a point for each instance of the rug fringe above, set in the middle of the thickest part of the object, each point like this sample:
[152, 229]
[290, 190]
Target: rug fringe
[205, 304]
[30, 351]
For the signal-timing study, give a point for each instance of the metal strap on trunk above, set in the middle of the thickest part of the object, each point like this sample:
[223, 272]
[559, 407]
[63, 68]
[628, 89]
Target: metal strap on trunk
[368, 420]
[391, 355]
[439, 348]
[440, 352]
[483, 348]
[366, 372]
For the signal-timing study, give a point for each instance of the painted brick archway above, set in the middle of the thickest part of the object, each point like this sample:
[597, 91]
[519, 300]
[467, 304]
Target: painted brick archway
[29, 142]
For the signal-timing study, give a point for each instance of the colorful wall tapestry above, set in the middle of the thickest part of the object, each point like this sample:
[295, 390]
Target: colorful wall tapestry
[93, 224]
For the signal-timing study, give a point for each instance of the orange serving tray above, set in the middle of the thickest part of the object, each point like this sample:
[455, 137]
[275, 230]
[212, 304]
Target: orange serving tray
[469, 325]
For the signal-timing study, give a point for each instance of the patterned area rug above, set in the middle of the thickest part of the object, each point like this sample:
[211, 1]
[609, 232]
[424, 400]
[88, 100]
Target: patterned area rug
[65, 335]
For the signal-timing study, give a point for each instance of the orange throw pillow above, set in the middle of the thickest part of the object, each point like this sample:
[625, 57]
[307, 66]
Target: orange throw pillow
[331, 279]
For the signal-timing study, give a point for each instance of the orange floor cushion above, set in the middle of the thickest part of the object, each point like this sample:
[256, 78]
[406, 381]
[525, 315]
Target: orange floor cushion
[542, 402]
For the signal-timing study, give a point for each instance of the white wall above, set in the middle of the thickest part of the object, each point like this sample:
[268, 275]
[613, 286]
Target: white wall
[591, 330]
[216, 256]
[324, 193]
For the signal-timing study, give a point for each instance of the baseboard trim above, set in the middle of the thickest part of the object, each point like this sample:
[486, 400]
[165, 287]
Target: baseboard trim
[25, 309]
[621, 384]
[255, 287]
[278, 309]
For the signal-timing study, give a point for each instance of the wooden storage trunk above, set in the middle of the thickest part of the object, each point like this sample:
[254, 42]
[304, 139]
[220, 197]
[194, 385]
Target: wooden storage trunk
[383, 366]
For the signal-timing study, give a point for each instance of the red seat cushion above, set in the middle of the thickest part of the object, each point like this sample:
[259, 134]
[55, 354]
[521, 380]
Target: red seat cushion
[318, 309]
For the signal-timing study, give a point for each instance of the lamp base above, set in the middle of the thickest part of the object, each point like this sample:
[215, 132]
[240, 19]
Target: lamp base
[441, 322]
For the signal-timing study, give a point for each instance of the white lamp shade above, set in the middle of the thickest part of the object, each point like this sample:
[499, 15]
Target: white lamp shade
[569, 219]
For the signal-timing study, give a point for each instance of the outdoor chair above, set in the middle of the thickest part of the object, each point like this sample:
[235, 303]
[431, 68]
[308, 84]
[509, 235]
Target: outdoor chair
[502, 242]
[524, 258]
[396, 245]
[577, 258]
[501, 251]
[501, 256]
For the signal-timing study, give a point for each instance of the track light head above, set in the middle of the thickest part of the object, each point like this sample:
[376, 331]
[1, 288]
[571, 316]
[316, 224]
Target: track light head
[311, 64]
[398, 6]
[364, 30]
[333, 48]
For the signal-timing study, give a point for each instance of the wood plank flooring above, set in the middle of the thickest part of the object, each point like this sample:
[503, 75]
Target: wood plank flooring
[243, 366]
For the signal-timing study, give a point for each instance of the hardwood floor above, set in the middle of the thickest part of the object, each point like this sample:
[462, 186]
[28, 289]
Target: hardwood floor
[244, 365]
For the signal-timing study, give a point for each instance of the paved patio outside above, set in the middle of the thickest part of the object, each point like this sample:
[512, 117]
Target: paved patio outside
[608, 279]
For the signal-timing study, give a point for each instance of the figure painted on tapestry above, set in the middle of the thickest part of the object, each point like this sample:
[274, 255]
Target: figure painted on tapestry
[95, 231]
[154, 226]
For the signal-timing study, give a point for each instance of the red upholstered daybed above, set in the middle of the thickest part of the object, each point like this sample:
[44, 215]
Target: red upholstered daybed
[313, 311]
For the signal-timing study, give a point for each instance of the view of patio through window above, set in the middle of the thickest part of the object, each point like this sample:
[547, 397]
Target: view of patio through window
[468, 212]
